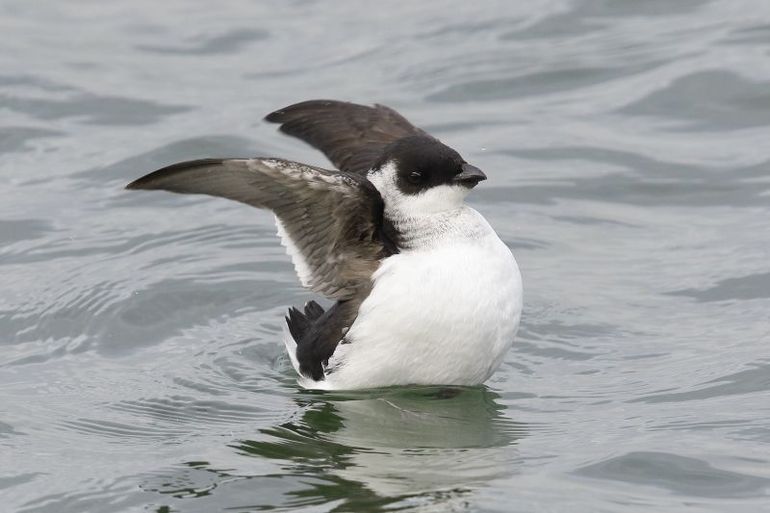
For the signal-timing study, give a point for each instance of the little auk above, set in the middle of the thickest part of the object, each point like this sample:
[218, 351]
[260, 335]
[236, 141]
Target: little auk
[424, 291]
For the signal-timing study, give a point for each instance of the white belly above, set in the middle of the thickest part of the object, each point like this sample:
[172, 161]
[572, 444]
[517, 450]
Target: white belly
[441, 315]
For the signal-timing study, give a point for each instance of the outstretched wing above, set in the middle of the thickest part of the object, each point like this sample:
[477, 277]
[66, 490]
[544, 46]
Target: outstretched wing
[352, 136]
[329, 221]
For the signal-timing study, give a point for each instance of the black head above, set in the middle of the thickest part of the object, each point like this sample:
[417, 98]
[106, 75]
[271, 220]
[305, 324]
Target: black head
[423, 162]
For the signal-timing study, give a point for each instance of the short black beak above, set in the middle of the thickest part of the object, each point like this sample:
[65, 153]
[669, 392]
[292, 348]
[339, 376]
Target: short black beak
[470, 176]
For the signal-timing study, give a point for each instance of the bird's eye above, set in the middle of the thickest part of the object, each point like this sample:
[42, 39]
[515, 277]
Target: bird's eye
[415, 177]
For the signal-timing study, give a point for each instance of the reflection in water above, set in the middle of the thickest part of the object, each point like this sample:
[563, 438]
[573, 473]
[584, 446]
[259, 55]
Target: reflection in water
[359, 452]
[383, 447]
[362, 451]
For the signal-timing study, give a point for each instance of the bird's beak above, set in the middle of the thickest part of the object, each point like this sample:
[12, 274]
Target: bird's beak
[470, 176]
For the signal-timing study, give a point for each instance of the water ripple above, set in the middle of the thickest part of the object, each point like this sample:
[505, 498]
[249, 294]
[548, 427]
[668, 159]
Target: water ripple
[749, 381]
[221, 44]
[753, 286]
[92, 108]
[708, 100]
[16, 138]
[678, 474]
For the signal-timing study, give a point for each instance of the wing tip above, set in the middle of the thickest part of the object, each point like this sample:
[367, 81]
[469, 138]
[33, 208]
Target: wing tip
[146, 182]
[140, 183]
[275, 117]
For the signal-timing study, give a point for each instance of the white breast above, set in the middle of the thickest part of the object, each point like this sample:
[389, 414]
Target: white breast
[444, 312]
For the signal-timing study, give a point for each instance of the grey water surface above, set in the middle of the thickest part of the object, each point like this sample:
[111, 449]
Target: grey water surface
[628, 149]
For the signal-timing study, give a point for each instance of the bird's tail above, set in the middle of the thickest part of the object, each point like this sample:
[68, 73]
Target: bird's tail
[298, 324]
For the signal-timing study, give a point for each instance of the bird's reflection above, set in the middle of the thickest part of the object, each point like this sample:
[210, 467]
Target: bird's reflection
[387, 446]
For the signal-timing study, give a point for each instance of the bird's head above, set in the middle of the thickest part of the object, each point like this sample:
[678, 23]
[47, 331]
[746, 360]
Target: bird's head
[419, 175]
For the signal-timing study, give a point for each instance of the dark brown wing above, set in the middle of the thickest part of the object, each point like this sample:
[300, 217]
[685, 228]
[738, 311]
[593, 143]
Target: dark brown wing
[352, 136]
[329, 221]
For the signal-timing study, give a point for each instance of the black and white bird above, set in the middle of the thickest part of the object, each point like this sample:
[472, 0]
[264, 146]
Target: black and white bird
[425, 291]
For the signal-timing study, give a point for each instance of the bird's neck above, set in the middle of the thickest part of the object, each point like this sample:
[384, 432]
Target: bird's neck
[431, 230]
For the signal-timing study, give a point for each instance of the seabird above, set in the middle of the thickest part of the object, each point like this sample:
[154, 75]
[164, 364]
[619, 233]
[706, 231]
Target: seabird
[424, 290]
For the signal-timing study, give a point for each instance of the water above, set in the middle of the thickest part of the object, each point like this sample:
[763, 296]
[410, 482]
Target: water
[627, 148]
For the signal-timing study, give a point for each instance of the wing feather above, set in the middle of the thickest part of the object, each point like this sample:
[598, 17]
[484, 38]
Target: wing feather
[352, 136]
[328, 220]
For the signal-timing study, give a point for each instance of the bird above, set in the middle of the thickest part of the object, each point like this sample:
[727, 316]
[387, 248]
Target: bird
[422, 289]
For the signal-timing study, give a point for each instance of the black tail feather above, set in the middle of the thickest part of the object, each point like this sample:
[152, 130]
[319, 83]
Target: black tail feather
[317, 333]
[297, 322]
[300, 323]
[313, 310]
